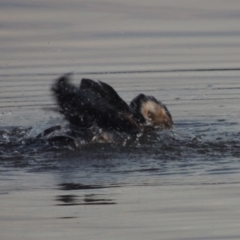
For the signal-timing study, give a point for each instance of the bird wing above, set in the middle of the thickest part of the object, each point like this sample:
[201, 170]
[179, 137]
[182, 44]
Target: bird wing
[106, 92]
[94, 103]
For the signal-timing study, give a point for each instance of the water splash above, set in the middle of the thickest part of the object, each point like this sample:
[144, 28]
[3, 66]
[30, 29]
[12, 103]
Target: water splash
[192, 148]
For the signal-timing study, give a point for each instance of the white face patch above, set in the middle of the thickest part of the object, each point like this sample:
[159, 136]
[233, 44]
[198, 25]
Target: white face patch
[155, 114]
[148, 109]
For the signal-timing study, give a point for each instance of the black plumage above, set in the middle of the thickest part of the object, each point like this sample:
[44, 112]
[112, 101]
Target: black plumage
[95, 103]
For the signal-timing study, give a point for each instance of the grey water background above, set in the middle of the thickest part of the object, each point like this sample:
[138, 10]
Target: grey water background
[179, 184]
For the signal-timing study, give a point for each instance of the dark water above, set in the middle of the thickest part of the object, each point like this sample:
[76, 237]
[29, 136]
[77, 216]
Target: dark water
[205, 139]
[186, 54]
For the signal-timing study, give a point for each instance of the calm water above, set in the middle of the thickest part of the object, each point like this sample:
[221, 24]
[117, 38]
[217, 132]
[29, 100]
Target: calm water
[178, 184]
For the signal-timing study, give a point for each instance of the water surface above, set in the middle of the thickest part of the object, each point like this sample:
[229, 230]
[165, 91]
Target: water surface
[178, 184]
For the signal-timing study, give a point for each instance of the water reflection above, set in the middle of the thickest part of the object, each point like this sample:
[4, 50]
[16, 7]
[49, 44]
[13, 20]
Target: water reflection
[83, 198]
[87, 199]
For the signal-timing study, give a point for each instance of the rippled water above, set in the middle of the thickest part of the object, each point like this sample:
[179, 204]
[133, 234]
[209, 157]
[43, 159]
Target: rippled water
[186, 54]
[203, 141]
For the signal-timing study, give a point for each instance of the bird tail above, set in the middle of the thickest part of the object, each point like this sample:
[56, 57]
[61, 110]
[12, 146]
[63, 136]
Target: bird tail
[69, 101]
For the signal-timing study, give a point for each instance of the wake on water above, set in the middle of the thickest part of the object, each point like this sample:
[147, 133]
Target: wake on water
[187, 142]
